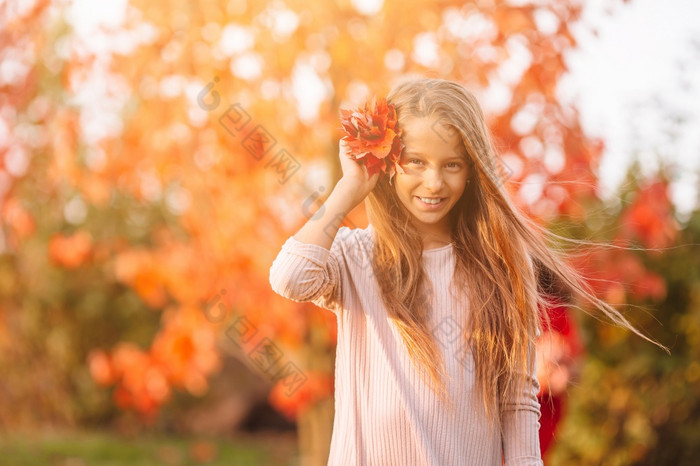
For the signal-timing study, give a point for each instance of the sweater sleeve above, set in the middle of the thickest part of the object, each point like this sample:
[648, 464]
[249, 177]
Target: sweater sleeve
[521, 443]
[309, 272]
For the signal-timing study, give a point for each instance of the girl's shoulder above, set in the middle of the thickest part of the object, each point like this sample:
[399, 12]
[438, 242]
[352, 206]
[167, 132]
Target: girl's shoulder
[354, 245]
[353, 237]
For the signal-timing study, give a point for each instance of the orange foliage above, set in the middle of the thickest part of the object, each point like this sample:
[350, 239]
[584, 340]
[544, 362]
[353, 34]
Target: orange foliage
[183, 355]
[186, 349]
[95, 189]
[101, 368]
[21, 222]
[143, 384]
[139, 269]
[318, 386]
[70, 251]
[64, 143]
[215, 174]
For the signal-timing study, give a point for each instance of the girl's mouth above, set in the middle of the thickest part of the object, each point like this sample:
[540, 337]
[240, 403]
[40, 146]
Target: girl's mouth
[430, 203]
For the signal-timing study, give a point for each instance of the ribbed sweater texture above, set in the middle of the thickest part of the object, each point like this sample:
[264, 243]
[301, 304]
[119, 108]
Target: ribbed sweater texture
[385, 414]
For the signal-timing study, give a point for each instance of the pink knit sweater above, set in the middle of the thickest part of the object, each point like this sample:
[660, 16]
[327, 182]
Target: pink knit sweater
[384, 413]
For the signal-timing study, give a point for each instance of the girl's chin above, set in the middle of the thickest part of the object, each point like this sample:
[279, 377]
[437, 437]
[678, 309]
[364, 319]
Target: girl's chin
[429, 217]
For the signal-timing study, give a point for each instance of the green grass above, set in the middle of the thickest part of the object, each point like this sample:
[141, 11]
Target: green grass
[103, 449]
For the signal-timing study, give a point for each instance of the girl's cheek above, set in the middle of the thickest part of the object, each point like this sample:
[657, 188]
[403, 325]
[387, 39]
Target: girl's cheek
[411, 171]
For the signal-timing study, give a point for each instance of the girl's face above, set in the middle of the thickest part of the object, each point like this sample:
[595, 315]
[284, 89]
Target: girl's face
[436, 168]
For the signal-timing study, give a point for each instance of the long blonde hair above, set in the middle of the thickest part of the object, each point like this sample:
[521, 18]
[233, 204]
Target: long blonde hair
[500, 255]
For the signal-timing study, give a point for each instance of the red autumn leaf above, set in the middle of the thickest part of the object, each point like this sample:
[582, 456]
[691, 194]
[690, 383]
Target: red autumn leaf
[373, 136]
[651, 286]
[650, 217]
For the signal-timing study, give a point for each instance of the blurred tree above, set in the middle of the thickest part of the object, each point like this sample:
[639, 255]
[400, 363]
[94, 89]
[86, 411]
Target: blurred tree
[152, 168]
[634, 404]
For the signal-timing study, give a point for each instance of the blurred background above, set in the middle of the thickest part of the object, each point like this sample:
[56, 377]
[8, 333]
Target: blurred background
[154, 156]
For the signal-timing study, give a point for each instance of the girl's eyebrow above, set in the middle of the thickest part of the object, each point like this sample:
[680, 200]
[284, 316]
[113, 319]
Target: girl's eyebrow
[413, 152]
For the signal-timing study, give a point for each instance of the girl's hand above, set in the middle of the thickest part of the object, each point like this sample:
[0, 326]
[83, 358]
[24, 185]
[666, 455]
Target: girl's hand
[355, 178]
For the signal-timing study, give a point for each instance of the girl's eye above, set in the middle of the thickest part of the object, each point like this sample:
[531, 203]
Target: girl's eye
[450, 164]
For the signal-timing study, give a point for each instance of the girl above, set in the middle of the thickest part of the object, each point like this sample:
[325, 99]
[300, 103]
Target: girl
[436, 300]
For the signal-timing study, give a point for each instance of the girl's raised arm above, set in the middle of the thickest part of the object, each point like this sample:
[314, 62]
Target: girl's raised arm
[352, 189]
[306, 269]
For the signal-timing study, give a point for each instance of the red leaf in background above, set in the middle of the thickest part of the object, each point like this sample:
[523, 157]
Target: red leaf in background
[651, 286]
[616, 275]
[373, 136]
[650, 217]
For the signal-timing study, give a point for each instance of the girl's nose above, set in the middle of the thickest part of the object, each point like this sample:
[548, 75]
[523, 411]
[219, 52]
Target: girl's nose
[433, 180]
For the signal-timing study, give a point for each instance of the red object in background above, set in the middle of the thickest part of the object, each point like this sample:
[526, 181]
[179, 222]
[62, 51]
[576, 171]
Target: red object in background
[562, 333]
[551, 407]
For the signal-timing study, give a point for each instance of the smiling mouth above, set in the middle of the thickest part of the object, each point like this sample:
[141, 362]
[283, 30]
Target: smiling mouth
[431, 201]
